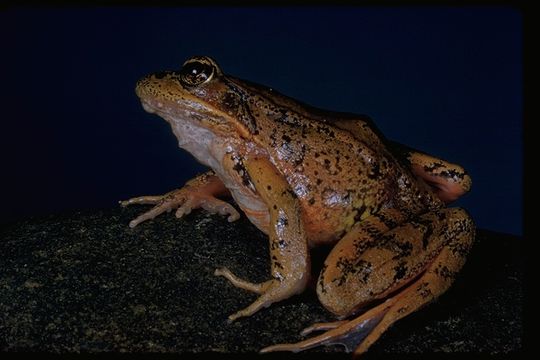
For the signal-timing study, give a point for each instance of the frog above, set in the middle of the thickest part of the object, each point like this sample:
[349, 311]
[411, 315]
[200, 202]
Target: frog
[308, 177]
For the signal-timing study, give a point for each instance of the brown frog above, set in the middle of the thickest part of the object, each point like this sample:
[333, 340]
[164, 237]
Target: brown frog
[308, 177]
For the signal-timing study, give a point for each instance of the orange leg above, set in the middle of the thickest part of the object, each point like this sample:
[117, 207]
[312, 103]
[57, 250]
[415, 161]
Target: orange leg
[199, 192]
[455, 230]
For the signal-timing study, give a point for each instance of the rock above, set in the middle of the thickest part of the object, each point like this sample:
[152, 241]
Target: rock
[86, 282]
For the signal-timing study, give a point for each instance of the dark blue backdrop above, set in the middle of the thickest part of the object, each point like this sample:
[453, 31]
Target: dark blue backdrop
[445, 80]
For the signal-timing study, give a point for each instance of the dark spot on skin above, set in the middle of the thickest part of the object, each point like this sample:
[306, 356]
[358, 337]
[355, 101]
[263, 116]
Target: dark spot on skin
[401, 310]
[269, 187]
[387, 221]
[407, 183]
[426, 237]
[230, 101]
[446, 273]
[375, 171]
[452, 174]
[241, 170]
[300, 156]
[359, 268]
[275, 207]
[291, 193]
[282, 221]
[326, 164]
[286, 138]
[459, 248]
[359, 212]
[278, 265]
[311, 201]
[401, 271]
[282, 243]
[324, 129]
[405, 249]
[433, 166]
[237, 167]
[424, 290]
[441, 215]
[319, 181]
[392, 242]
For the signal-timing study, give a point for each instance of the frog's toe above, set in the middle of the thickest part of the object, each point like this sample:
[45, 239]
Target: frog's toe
[217, 206]
[142, 200]
[240, 283]
[184, 209]
[152, 213]
[322, 327]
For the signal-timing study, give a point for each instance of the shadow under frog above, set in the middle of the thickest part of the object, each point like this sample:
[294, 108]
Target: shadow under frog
[308, 177]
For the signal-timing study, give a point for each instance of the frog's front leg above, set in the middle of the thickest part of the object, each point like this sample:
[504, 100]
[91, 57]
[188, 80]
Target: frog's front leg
[414, 262]
[289, 254]
[199, 192]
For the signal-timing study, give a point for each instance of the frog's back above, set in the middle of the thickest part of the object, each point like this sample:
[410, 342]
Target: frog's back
[337, 164]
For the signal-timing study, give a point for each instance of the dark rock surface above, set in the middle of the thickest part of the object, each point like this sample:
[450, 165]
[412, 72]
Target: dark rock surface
[86, 282]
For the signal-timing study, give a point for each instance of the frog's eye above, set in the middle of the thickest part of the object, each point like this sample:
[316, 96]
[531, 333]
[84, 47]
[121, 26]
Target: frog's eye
[196, 72]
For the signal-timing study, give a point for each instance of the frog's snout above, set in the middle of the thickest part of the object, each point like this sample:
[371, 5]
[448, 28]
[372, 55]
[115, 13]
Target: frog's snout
[146, 91]
[141, 88]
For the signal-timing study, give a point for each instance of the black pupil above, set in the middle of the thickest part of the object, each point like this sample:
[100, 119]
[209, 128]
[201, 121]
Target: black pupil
[196, 72]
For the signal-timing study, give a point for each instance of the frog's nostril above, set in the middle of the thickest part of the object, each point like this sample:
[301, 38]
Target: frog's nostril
[141, 85]
[138, 88]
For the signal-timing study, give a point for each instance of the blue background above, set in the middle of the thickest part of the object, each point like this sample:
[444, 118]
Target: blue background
[447, 80]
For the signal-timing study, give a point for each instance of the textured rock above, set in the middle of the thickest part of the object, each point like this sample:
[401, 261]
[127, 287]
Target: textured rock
[86, 282]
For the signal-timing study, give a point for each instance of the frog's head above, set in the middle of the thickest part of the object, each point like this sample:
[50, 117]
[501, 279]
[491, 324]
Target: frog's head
[199, 94]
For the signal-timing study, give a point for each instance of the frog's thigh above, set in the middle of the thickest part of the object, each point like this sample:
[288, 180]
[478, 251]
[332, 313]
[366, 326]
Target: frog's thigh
[358, 272]
[421, 257]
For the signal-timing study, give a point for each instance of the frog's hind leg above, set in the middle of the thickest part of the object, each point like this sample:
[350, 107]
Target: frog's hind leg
[414, 263]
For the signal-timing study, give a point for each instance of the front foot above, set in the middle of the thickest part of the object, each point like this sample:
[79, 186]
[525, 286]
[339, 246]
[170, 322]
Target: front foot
[184, 200]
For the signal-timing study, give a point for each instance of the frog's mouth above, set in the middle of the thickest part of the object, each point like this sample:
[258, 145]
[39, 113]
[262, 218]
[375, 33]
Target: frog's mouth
[163, 110]
[152, 107]
[148, 108]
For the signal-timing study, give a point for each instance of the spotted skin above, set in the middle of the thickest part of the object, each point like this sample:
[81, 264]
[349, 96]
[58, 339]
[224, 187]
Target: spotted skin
[449, 181]
[308, 177]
